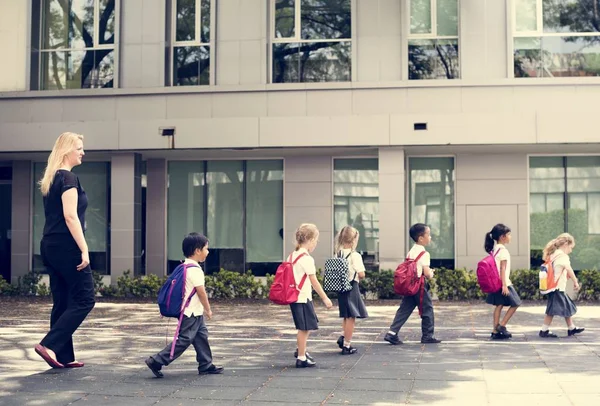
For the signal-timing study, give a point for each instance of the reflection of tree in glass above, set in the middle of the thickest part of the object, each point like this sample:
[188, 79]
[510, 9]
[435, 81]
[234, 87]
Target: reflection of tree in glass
[192, 65]
[284, 18]
[186, 20]
[325, 19]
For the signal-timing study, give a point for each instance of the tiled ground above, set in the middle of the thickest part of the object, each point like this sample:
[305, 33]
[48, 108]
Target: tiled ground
[255, 342]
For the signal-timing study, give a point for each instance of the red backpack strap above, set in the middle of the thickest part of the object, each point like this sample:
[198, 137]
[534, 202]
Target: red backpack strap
[297, 258]
[302, 282]
[418, 256]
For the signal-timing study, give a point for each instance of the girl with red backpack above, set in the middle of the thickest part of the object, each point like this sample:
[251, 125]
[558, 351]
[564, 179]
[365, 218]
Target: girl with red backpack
[303, 311]
[495, 244]
[559, 304]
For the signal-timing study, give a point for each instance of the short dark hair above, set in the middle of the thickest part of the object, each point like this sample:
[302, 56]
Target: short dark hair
[418, 230]
[192, 242]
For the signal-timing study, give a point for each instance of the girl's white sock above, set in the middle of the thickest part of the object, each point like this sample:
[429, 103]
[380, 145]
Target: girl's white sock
[392, 332]
[571, 326]
[302, 358]
[545, 327]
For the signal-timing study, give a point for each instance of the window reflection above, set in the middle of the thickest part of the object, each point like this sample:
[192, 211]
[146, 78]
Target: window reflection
[191, 65]
[433, 59]
[312, 62]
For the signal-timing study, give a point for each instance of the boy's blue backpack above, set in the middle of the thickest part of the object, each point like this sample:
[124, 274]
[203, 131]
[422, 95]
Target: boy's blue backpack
[170, 296]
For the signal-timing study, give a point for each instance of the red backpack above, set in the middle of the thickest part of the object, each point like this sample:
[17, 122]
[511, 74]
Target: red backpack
[284, 290]
[487, 274]
[406, 279]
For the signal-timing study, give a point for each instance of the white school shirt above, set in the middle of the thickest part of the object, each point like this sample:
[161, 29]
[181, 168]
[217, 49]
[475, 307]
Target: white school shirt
[355, 264]
[503, 255]
[560, 261]
[423, 261]
[194, 277]
[304, 266]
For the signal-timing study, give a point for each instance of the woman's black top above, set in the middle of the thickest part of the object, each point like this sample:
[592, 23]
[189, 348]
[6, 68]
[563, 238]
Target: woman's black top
[53, 205]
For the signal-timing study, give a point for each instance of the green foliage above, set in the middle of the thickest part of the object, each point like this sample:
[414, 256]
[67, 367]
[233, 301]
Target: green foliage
[27, 285]
[141, 286]
[43, 290]
[456, 284]
[98, 283]
[6, 289]
[229, 285]
[589, 280]
[379, 283]
[526, 283]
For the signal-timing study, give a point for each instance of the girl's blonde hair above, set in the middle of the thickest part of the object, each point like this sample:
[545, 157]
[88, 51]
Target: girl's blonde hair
[556, 243]
[64, 144]
[306, 233]
[347, 236]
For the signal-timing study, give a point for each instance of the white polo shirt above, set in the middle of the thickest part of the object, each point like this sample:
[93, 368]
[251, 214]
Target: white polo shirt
[503, 255]
[304, 266]
[423, 261]
[194, 277]
[560, 263]
[355, 264]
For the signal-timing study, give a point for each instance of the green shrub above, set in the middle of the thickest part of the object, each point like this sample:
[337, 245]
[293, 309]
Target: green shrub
[229, 285]
[98, 283]
[456, 284]
[526, 283]
[380, 284]
[43, 290]
[589, 280]
[140, 286]
[109, 291]
[6, 289]
[28, 284]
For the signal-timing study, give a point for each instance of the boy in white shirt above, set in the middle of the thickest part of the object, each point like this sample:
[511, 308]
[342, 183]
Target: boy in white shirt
[193, 331]
[421, 235]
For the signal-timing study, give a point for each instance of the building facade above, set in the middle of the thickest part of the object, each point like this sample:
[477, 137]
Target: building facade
[242, 119]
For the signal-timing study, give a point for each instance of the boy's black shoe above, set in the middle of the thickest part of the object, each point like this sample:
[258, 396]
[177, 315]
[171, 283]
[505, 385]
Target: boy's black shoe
[305, 364]
[547, 334]
[306, 354]
[349, 350]
[498, 336]
[392, 339]
[212, 370]
[430, 340]
[502, 330]
[340, 342]
[155, 367]
[574, 331]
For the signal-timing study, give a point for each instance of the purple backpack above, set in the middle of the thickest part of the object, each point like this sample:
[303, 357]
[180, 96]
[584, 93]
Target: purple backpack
[487, 274]
[171, 300]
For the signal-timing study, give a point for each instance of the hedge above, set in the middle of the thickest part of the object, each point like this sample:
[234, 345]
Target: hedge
[448, 284]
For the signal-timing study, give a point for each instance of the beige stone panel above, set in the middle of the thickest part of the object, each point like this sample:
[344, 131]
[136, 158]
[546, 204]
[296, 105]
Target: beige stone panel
[491, 166]
[490, 99]
[45, 110]
[460, 224]
[198, 105]
[308, 194]
[367, 18]
[217, 133]
[523, 230]
[307, 169]
[88, 109]
[141, 107]
[143, 134]
[240, 104]
[229, 20]
[251, 22]
[390, 18]
[546, 98]
[285, 104]
[252, 56]
[481, 219]
[329, 102]
[391, 161]
[390, 58]
[571, 127]
[378, 101]
[320, 216]
[492, 192]
[438, 100]
[228, 73]
[367, 59]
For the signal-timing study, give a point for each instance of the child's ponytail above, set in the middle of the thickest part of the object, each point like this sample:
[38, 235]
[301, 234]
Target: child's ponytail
[489, 242]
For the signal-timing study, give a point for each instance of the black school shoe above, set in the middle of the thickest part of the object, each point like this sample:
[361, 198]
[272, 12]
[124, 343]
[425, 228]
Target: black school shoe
[212, 370]
[349, 350]
[305, 364]
[340, 342]
[498, 336]
[306, 354]
[502, 330]
[547, 334]
[392, 339]
[155, 367]
[430, 340]
[574, 331]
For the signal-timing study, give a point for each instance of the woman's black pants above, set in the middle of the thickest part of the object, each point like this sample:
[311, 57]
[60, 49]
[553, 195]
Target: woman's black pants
[72, 293]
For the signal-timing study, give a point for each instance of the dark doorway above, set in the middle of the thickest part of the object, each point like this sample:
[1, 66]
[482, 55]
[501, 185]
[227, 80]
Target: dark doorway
[5, 220]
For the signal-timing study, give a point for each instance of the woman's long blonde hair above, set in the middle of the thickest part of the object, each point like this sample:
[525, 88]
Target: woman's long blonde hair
[64, 144]
[556, 243]
[348, 235]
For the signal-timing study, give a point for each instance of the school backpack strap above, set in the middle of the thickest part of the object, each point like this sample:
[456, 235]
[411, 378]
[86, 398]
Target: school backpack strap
[187, 303]
[421, 283]
[417, 258]
[294, 263]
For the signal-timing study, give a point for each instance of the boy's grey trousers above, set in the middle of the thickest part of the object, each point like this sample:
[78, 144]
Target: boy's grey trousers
[408, 306]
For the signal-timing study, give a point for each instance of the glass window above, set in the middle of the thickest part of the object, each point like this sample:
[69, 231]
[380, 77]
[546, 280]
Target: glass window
[191, 42]
[94, 178]
[356, 203]
[431, 198]
[77, 44]
[311, 41]
[565, 42]
[235, 203]
[576, 181]
[433, 39]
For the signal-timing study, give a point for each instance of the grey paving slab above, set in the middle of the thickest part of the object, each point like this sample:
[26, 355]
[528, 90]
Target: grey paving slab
[466, 369]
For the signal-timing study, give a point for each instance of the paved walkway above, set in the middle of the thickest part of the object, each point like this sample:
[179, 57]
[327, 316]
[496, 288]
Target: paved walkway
[255, 342]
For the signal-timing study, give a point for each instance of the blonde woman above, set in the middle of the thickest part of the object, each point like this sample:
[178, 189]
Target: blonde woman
[559, 304]
[64, 251]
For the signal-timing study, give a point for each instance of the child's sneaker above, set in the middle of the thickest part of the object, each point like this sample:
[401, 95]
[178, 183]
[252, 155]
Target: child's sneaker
[574, 331]
[392, 339]
[306, 354]
[349, 350]
[305, 364]
[547, 334]
[340, 342]
[155, 367]
[430, 340]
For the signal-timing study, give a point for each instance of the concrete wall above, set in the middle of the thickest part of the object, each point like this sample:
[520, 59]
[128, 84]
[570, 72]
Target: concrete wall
[14, 15]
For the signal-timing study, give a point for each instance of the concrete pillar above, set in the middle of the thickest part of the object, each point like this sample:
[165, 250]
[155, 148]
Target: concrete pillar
[156, 217]
[21, 219]
[126, 215]
[392, 208]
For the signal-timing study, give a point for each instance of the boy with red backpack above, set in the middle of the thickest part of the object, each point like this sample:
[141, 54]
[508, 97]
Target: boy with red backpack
[194, 306]
[417, 260]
